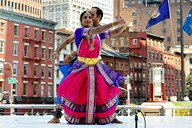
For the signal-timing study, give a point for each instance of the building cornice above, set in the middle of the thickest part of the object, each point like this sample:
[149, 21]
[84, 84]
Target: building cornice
[25, 19]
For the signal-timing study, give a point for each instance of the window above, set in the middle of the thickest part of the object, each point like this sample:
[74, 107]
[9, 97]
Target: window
[190, 60]
[178, 29]
[2, 46]
[134, 13]
[50, 54]
[57, 73]
[42, 90]
[149, 55]
[16, 30]
[35, 90]
[134, 22]
[153, 56]
[50, 37]
[43, 35]
[15, 68]
[36, 70]
[50, 73]
[169, 40]
[134, 41]
[178, 39]
[35, 52]
[50, 90]
[122, 42]
[15, 49]
[157, 56]
[43, 53]
[163, 30]
[112, 42]
[178, 21]
[1, 67]
[126, 3]
[24, 88]
[26, 47]
[25, 69]
[36, 34]
[43, 71]
[26, 32]
[2, 28]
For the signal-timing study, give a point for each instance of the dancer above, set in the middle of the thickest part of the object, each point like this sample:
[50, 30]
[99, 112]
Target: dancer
[97, 17]
[90, 92]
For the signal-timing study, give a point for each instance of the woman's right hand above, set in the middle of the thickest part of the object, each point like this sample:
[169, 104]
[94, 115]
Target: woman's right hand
[120, 21]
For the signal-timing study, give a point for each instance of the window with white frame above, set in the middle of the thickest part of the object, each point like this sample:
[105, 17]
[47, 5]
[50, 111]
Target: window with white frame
[134, 41]
[25, 69]
[50, 53]
[2, 28]
[43, 35]
[36, 51]
[50, 72]
[36, 34]
[15, 50]
[35, 89]
[112, 42]
[26, 50]
[2, 42]
[42, 89]
[24, 89]
[16, 30]
[50, 37]
[43, 53]
[15, 68]
[57, 73]
[122, 42]
[26, 32]
[50, 90]
[126, 3]
[1, 67]
[43, 71]
[36, 70]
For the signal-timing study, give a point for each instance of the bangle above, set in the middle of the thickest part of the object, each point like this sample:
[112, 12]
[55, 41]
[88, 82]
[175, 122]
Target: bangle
[55, 53]
[70, 55]
[113, 24]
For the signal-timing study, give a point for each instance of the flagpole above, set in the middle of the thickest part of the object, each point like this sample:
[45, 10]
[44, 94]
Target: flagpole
[182, 54]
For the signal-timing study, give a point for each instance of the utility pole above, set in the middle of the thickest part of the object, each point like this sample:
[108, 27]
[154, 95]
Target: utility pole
[182, 54]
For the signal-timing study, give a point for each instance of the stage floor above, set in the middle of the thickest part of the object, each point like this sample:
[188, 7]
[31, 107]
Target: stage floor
[128, 122]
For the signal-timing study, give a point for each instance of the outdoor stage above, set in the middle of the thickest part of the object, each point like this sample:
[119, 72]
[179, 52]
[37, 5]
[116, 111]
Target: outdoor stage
[128, 122]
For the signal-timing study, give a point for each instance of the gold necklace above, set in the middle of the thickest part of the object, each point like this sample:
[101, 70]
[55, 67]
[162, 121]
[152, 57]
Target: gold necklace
[91, 46]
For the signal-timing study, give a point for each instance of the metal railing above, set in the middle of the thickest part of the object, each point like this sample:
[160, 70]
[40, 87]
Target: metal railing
[123, 109]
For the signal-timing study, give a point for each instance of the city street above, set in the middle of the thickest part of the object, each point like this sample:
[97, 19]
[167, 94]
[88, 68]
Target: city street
[128, 122]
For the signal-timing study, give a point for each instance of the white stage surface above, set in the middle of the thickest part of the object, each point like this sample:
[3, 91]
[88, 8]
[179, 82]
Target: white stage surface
[128, 122]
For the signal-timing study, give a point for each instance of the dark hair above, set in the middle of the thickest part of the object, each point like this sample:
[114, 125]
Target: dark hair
[99, 12]
[81, 16]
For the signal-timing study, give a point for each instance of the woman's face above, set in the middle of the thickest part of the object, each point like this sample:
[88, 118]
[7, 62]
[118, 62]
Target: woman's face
[87, 20]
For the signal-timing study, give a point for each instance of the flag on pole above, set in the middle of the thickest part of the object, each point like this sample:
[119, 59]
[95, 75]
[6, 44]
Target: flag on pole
[187, 27]
[162, 13]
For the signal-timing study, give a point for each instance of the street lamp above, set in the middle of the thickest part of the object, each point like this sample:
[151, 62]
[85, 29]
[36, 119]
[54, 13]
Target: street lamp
[11, 88]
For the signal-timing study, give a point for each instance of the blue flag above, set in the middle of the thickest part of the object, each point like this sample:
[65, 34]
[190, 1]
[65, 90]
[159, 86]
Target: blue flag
[160, 14]
[187, 27]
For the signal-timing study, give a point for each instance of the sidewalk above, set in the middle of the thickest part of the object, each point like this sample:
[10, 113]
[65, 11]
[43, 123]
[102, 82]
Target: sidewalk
[128, 122]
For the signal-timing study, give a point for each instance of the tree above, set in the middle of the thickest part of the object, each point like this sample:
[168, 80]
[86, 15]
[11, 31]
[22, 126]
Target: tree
[189, 86]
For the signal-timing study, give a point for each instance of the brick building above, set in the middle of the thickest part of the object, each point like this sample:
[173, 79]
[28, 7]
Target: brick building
[136, 15]
[27, 44]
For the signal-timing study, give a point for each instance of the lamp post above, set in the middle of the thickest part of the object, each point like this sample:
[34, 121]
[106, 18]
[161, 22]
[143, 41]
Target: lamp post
[11, 88]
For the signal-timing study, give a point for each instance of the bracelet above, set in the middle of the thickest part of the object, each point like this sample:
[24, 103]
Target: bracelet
[70, 55]
[113, 24]
[55, 53]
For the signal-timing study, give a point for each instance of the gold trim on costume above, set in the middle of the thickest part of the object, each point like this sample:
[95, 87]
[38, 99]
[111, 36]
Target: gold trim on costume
[89, 61]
